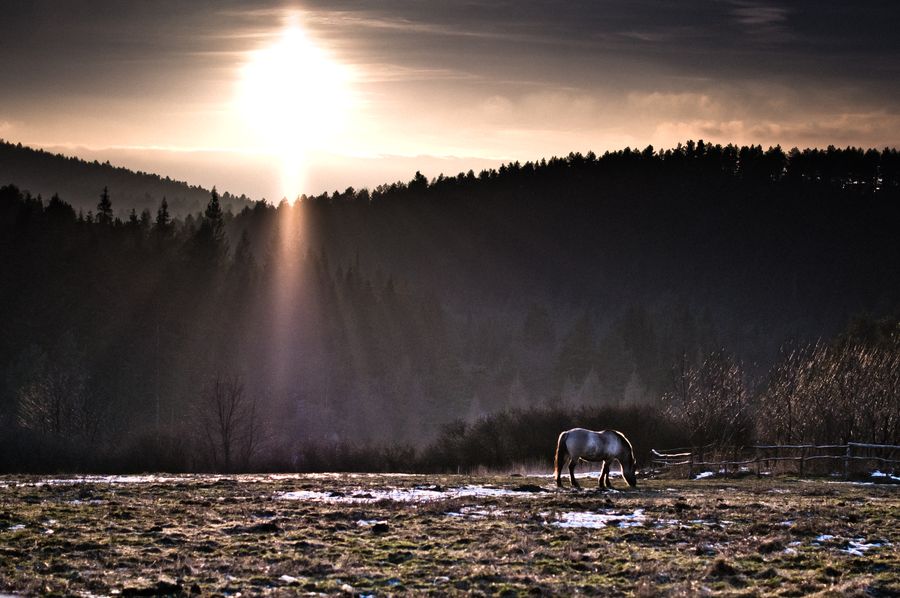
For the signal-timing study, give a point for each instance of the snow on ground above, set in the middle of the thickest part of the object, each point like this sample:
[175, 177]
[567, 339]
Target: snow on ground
[859, 546]
[475, 513]
[880, 474]
[107, 479]
[704, 474]
[416, 494]
[598, 520]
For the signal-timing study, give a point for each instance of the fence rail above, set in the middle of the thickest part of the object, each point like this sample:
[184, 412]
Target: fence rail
[889, 454]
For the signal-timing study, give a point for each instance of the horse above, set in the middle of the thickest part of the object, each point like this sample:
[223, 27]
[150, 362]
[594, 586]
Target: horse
[604, 446]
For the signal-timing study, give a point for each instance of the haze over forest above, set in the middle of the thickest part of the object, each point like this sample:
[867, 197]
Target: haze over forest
[381, 316]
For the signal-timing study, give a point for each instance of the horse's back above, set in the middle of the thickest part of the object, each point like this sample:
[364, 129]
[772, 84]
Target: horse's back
[583, 443]
[589, 444]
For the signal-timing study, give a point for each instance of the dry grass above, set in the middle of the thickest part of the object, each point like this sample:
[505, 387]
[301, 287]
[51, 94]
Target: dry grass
[224, 535]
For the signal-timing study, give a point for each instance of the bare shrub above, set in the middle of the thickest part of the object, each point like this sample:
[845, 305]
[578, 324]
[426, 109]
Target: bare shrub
[834, 393]
[710, 402]
[229, 424]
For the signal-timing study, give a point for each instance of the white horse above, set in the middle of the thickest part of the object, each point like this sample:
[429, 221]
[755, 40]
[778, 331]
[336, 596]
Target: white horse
[604, 446]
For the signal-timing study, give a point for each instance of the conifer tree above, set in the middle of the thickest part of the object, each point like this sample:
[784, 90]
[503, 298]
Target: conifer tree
[163, 220]
[214, 217]
[104, 208]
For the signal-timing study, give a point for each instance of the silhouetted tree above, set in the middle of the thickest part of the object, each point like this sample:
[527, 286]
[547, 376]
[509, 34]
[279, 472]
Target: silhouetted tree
[104, 209]
[163, 220]
[229, 422]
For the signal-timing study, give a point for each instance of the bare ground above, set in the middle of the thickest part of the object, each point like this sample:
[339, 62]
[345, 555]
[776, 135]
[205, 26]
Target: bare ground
[395, 535]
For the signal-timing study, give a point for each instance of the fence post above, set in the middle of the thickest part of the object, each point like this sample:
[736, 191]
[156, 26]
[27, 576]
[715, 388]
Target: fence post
[691, 465]
[756, 458]
[802, 460]
[847, 461]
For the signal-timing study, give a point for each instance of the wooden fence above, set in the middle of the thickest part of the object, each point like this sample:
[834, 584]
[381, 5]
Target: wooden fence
[767, 455]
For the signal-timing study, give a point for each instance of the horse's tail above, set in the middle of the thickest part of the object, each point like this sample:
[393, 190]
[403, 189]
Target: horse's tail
[561, 451]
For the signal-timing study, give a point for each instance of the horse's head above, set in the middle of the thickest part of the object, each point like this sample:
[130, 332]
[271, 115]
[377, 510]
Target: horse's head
[628, 463]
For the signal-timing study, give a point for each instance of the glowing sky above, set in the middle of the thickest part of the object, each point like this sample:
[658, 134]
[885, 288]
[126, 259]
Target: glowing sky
[393, 86]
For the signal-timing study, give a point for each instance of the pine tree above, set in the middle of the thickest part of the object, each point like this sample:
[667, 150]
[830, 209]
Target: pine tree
[214, 217]
[162, 216]
[104, 208]
[210, 236]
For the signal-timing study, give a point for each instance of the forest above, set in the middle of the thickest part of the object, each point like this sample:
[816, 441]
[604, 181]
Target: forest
[44, 173]
[701, 294]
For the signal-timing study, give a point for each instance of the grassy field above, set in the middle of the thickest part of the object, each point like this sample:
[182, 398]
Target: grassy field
[397, 534]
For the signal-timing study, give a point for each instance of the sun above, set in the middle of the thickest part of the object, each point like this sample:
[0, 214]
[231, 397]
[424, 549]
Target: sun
[296, 98]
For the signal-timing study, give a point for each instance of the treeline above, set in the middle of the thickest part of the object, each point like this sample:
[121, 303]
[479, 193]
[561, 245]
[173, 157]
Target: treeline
[377, 318]
[47, 174]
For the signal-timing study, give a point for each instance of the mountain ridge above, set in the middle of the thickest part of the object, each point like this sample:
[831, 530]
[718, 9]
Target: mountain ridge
[80, 182]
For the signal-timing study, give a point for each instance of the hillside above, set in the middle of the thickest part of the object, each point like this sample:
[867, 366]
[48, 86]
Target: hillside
[382, 315]
[81, 182]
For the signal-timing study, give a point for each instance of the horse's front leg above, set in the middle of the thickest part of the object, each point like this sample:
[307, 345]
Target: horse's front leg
[572, 463]
[604, 475]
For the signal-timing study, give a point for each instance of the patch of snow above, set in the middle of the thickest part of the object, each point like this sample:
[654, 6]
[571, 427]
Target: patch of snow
[599, 520]
[704, 474]
[107, 479]
[711, 522]
[859, 546]
[16, 527]
[787, 523]
[880, 474]
[288, 579]
[475, 513]
[419, 495]
[790, 550]
[370, 522]
[824, 538]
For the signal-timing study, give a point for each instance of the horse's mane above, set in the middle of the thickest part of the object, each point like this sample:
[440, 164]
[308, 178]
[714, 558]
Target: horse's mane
[628, 442]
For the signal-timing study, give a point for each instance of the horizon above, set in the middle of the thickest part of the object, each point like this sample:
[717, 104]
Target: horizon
[404, 176]
[219, 94]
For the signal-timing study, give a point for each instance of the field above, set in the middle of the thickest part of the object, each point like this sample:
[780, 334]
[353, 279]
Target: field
[403, 534]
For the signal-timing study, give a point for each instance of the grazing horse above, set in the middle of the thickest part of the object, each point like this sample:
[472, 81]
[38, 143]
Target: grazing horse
[604, 446]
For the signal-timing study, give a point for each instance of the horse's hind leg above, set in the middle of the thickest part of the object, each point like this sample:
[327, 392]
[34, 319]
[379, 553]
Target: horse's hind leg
[604, 474]
[572, 462]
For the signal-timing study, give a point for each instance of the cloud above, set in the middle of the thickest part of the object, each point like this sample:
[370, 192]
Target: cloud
[874, 129]
[757, 14]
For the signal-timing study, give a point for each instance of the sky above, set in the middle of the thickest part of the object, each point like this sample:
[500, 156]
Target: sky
[275, 99]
